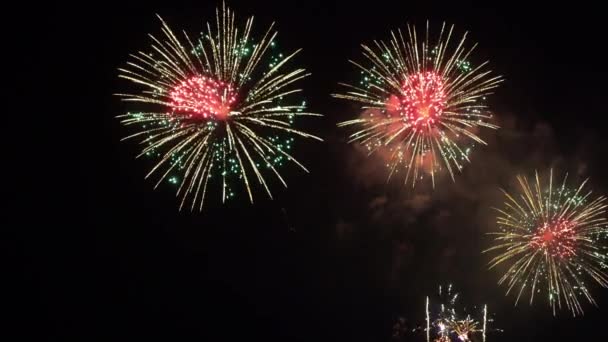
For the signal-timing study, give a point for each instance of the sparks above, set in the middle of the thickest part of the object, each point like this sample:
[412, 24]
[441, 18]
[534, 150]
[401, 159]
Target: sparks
[213, 112]
[202, 98]
[552, 238]
[450, 322]
[558, 238]
[422, 102]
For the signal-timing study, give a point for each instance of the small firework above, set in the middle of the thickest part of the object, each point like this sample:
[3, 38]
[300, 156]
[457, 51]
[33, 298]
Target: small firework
[447, 323]
[423, 102]
[552, 238]
[464, 328]
[219, 107]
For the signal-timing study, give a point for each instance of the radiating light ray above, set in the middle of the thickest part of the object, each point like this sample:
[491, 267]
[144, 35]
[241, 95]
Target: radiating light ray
[485, 322]
[422, 102]
[214, 111]
[552, 238]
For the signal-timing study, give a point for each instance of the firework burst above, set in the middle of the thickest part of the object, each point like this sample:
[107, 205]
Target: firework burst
[551, 239]
[445, 321]
[219, 107]
[423, 102]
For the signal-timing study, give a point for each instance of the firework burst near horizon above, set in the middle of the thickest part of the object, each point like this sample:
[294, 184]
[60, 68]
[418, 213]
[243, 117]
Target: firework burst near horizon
[220, 108]
[423, 102]
[446, 322]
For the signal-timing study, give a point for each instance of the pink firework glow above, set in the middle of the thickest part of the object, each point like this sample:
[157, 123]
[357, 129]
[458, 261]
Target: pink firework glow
[422, 100]
[557, 238]
[201, 97]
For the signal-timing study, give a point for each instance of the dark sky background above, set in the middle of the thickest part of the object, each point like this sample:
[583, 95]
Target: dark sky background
[340, 254]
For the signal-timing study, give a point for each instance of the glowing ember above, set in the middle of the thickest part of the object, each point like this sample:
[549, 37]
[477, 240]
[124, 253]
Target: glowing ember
[203, 97]
[423, 98]
[557, 238]
[442, 339]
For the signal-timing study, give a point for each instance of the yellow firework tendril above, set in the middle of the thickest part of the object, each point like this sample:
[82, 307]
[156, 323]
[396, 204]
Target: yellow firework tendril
[464, 328]
[420, 99]
[551, 239]
[216, 114]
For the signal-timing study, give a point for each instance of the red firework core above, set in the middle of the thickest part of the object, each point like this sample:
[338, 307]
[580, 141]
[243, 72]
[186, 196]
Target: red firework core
[422, 98]
[201, 97]
[557, 237]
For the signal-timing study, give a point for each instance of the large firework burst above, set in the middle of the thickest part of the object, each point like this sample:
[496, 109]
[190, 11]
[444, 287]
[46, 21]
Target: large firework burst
[423, 102]
[552, 238]
[214, 109]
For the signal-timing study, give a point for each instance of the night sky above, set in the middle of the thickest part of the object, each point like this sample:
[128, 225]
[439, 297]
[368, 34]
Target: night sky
[340, 255]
